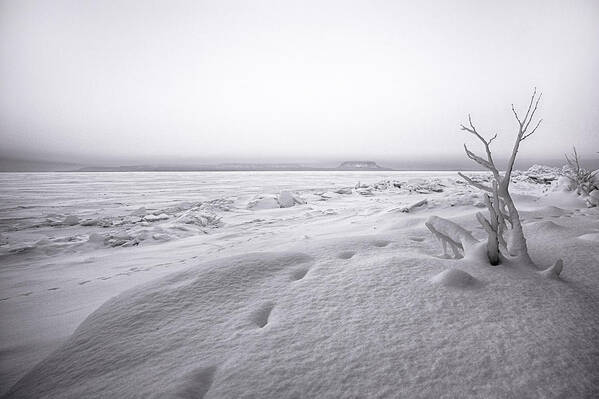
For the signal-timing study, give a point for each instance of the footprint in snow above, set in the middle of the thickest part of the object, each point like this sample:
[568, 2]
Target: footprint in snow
[381, 243]
[299, 274]
[346, 254]
[260, 317]
[417, 239]
[85, 282]
[197, 383]
[53, 288]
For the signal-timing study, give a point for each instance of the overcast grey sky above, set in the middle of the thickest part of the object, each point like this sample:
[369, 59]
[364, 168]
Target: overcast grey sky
[293, 79]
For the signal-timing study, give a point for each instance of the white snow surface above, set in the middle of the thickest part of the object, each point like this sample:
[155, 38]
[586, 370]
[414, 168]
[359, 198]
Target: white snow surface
[344, 296]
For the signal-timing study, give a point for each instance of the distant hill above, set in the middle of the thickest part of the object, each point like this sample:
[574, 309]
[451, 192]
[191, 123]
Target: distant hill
[199, 168]
[31, 165]
[348, 165]
[360, 165]
[27, 165]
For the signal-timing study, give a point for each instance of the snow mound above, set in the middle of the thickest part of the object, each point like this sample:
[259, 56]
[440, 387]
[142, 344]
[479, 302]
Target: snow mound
[243, 326]
[547, 226]
[125, 339]
[552, 211]
[590, 237]
[454, 278]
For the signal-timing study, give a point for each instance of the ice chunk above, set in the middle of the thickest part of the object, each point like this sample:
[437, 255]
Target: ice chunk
[199, 218]
[263, 203]
[344, 190]
[71, 220]
[287, 199]
[154, 218]
[139, 212]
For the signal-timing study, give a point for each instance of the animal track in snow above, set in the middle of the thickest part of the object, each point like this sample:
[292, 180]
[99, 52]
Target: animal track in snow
[346, 254]
[197, 383]
[260, 317]
[381, 243]
[299, 274]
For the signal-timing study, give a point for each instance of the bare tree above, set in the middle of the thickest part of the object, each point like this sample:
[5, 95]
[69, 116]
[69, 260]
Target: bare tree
[516, 241]
[501, 207]
[580, 177]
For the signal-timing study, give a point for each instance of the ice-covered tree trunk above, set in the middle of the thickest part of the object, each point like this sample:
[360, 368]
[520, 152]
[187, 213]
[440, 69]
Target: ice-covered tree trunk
[501, 207]
[493, 226]
[451, 234]
[516, 242]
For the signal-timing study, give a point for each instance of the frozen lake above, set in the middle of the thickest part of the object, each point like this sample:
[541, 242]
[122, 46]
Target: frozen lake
[70, 241]
[84, 256]
[35, 205]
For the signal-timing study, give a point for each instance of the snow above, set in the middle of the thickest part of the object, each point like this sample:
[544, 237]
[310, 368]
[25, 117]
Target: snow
[340, 296]
[287, 199]
[454, 278]
[262, 202]
[590, 237]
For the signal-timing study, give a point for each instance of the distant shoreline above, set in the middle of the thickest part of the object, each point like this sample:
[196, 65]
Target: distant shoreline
[419, 171]
[248, 167]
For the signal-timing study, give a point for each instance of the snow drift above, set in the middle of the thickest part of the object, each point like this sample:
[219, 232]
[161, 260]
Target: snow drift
[316, 324]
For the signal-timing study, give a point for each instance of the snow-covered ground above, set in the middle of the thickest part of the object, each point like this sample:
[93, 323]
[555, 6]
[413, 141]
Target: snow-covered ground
[287, 284]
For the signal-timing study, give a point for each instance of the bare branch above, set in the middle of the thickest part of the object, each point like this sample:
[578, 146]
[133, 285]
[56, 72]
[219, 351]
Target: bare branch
[475, 184]
[471, 124]
[522, 133]
[533, 111]
[516, 115]
[489, 163]
[534, 93]
[473, 130]
[479, 160]
[484, 223]
[533, 130]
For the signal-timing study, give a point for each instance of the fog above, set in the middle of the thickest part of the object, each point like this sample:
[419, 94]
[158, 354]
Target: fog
[278, 80]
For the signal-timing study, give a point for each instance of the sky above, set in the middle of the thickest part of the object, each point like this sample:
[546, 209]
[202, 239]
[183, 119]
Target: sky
[293, 80]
